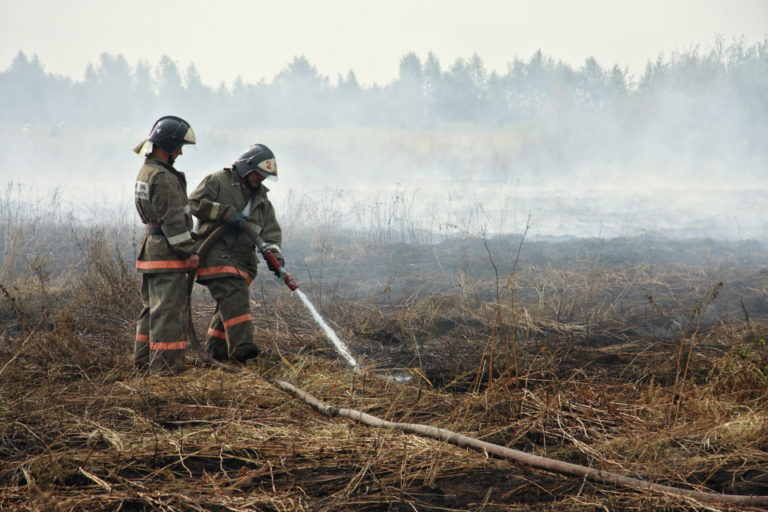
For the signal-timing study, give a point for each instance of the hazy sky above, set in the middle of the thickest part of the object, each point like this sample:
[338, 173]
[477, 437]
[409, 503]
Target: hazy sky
[256, 39]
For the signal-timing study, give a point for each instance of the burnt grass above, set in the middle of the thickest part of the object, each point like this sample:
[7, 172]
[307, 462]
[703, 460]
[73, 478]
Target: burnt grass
[642, 356]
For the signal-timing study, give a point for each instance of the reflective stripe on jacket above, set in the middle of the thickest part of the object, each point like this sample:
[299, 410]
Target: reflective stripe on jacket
[223, 271]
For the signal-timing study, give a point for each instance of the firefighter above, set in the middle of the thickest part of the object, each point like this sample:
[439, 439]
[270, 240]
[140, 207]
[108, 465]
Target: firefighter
[167, 249]
[235, 195]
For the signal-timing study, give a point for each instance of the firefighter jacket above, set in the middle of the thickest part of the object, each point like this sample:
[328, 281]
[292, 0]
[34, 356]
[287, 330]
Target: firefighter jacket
[218, 199]
[161, 200]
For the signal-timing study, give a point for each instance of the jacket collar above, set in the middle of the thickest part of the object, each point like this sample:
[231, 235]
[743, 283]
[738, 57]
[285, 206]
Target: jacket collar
[152, 159]
[155, 160]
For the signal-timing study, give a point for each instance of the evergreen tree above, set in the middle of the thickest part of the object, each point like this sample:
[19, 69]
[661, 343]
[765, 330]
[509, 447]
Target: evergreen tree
[301, 95]
[170, 90]
[405, 104]
[25, 91]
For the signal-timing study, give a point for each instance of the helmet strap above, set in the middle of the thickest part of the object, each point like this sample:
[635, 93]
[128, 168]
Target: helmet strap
[171, 157]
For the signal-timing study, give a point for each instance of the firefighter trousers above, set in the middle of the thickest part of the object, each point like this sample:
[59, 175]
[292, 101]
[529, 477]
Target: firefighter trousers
[230, 332]
[161, 331]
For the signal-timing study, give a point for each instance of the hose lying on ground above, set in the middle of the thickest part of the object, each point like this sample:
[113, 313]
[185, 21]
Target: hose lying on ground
[556, 466]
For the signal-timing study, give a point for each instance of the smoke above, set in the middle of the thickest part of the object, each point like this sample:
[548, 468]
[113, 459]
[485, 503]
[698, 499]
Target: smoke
[587, 152]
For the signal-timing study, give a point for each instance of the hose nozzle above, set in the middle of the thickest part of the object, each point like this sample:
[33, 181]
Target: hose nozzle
[274, 265]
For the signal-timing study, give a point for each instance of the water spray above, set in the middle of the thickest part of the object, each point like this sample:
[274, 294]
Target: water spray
[341, 348]
[280, 271]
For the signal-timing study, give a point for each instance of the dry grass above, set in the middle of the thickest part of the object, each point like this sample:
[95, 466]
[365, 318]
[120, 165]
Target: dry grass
[603, 377]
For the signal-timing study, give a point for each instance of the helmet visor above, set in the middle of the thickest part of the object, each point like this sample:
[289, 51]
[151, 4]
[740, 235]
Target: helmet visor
[143, 148]
[189, 137]
[267, 176]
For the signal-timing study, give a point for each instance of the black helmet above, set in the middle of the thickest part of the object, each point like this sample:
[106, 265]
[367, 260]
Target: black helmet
[257, 158]
[169, 133]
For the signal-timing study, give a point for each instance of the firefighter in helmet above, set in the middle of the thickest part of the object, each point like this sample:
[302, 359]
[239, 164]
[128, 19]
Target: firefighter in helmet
[235, 195]
[166, 251]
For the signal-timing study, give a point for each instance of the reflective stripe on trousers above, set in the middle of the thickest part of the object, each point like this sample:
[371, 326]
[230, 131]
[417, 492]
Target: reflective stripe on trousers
[162, 345]
[237, 320]
[168, 345]
[217, 334]
[161, 264]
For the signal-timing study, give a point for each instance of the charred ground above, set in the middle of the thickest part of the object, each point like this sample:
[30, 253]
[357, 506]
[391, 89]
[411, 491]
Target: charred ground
[643, 356]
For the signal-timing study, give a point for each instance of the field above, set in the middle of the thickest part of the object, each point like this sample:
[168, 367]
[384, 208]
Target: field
[643, 357]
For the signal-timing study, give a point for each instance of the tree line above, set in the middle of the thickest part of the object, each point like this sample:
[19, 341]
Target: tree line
[725, 85]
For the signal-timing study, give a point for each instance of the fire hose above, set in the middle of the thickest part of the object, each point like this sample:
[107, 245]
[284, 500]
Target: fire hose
[209, 242]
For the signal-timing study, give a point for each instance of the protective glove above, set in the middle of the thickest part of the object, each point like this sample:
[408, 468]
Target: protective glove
[236, 222]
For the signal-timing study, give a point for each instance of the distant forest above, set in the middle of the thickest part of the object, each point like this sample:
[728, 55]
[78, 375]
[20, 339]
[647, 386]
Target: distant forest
[710, 102]
[425, 93]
